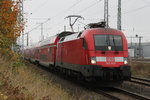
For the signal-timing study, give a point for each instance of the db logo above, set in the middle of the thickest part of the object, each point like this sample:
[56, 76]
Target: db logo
[110, 60]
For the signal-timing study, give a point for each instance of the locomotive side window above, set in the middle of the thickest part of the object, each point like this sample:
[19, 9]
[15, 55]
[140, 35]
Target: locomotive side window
[84, 43]
[103, 41]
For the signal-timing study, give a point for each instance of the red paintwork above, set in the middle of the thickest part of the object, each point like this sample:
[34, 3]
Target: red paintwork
[48, 51]
[72, 51]
[45, 53]
[88, 35]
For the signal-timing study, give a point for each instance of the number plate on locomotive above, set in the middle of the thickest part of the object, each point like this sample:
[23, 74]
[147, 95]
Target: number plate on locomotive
[110, 60]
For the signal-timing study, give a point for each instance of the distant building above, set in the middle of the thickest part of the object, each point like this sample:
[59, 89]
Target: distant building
[134, 50]
[146, 49]
[131, 53]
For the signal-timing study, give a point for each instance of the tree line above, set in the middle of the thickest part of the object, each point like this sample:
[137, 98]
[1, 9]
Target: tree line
[10, 27]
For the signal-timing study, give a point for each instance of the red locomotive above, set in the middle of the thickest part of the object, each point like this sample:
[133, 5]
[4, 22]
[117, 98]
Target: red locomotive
[97, 53]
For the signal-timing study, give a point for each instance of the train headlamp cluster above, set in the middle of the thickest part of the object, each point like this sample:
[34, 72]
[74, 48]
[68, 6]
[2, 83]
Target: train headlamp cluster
[125, 60]
[93, 60]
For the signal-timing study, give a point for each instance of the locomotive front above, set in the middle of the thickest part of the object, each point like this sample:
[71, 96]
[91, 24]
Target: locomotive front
[108, 53]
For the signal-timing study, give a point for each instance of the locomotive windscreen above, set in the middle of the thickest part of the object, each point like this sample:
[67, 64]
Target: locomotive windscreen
[103, 41]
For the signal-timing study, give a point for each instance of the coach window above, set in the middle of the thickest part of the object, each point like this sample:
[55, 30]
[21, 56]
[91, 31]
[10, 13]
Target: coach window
[50, 49]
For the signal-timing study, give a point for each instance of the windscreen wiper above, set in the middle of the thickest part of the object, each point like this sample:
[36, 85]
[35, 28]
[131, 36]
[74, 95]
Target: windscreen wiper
[109, 47]
[105, 45]
[114, 44]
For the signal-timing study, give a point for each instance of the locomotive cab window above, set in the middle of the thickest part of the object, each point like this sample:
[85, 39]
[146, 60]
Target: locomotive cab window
[84, 45]
[102, 42]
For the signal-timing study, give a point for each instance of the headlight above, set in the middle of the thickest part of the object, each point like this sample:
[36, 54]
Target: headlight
[125, 60]
[109, 48]
[93, 60]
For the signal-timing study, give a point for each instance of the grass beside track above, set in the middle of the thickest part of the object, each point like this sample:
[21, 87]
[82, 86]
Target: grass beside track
[23, 83]
[141, 69]
[33, 83]
[28, 83]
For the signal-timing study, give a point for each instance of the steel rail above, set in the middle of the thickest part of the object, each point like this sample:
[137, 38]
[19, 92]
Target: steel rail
[142, 83]
[105, 94]
[138, 96]
[141, 79]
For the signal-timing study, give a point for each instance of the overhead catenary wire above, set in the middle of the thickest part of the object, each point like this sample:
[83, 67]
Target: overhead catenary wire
[83, 10]
[37, 26]
[133, 10]
[39, 7]
[66, 10]
[75, 4]
[93, 12]
[81, 22]
[125, 1]
[92, 19]
[137, 9]
[56, 25]
[36, 18]
[27, 33]
[146, 1]
[54, 16]
[32, 29]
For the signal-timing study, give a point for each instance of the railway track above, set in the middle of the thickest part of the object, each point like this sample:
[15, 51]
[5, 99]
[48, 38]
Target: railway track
[104, 93]
[123, 94]
[134, 95]
[145, 82]
[110, 93]
[142, 61]
[141, 79]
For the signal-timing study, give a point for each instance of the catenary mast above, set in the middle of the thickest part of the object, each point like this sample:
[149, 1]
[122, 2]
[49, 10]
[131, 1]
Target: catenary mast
[106, 13]
[21, 19]
[119, 16]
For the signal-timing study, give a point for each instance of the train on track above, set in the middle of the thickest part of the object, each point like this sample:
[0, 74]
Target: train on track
[95, 54]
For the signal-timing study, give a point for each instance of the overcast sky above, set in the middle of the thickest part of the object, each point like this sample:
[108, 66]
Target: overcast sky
[135, 16]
